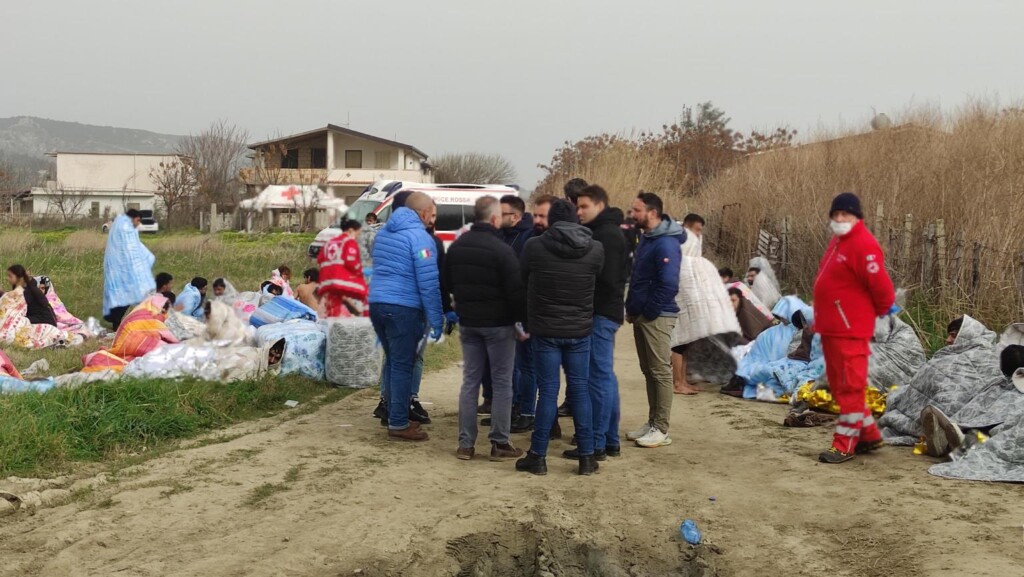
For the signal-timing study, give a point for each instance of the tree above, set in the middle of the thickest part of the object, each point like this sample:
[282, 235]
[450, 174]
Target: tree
[217, 155]
[65, 202]
[473, 167]
[176, 183]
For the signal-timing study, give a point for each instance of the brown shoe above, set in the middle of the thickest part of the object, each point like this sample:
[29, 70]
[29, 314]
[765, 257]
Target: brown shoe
[412, 433]
[465, 453]
[506, 451]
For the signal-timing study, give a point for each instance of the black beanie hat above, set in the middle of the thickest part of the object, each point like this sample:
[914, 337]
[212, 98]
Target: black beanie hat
[562, 211]
[849, 202]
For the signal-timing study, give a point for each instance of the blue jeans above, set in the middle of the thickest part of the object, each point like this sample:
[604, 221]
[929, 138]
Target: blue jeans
[399, 330]
[602, 383]
[551, 354]
[524, 379]
[417, 373]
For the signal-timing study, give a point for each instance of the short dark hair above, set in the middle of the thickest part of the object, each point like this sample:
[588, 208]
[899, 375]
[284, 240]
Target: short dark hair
[372, 215]
[351, 224]
[313, 274]
[272, 288]
[692, 218]
[725, 271]
[955, 325]
[199, 282]
[572, 189]
[1011, 359]
[652, 202]
[515, 202]
[163, 278]
[594, 193]
[736, 292]
[133, 213]
[219, 283]
[754, 269]
[799, 320]
[169, 296]
[284, 269]
[544, 199]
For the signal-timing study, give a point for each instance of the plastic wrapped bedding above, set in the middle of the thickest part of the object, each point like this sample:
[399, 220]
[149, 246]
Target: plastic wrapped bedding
[279, 310]
[9, 385]
[353, 358]
[896, 355]
[306, 346]
[768, 362]
[218, 361]
[245, 304]
[184, 327]
[949, 381]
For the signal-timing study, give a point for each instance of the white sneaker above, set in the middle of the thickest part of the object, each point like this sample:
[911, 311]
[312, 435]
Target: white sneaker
[641, 432]
[655, 438]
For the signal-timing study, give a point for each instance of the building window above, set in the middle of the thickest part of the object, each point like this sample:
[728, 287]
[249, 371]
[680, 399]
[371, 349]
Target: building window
[385, 159]
[94, 209]
[133, 206]
[318, 158]
[353, 159]
[291, 159]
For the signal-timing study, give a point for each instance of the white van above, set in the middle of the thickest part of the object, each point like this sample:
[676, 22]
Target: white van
[454, 205]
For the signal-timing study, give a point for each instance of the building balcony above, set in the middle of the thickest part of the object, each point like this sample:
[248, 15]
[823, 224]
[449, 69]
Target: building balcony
[324, 177]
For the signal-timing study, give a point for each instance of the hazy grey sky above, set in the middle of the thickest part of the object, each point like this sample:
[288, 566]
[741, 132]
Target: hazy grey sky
[517, 78]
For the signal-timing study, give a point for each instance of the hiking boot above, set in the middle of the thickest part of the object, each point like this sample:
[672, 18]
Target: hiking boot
[500, 452]
[564, 410]
[941, 435]
[523, 424]
[612, 451]
[833, 456]
[485, 408]
[416, 408]
[465, 453]
[588, 465]
[574, 454]
[532, 463]
[734, 388]
[865, 447]
[641, 432]
[556, 431]
[412, 433]
[485, 422]
[653, 439]
[381, 412]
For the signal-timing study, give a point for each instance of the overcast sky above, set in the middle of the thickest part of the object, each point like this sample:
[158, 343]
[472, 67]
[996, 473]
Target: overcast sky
[516, 78]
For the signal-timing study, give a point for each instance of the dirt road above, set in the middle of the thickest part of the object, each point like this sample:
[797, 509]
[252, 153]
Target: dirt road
[324, 494]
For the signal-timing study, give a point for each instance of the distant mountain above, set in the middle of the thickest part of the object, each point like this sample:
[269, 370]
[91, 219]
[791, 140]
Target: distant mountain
[25, 140]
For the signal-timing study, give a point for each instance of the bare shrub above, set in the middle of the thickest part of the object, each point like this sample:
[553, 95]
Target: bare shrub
[473, 167]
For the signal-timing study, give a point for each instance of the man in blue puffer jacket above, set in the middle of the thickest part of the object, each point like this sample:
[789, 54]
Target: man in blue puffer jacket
[651, 307]
[405, 294]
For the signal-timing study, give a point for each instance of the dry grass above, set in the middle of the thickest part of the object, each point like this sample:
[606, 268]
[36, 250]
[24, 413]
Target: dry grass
[85, 240]
[17, 241]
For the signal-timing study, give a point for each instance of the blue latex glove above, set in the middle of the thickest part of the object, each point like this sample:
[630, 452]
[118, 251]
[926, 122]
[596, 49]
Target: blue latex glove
[894, 310]
[451, 317]
[435, 333]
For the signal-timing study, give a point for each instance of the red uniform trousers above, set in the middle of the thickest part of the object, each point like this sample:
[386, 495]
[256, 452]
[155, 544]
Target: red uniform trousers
[846, 365]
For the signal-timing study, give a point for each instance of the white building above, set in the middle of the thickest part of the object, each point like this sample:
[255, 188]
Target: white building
[337, 159]
[99, 184]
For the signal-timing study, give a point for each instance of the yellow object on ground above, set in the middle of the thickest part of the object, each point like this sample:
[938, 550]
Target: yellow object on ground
[822, 400]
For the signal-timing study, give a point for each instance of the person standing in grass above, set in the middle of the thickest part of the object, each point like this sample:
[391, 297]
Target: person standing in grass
[127, 268]
[851, 291]
[484, 275]
[651, 308]
[342, 286]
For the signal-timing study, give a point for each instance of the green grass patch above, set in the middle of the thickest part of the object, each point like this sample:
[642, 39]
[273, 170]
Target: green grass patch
[261, 494]
[42, 433]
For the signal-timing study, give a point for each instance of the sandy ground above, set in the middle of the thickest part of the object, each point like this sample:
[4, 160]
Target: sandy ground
[325, 494]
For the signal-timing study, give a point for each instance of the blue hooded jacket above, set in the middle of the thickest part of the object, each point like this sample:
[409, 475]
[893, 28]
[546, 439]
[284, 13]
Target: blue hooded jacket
[191, 301]
[405, 267]
[655, 279]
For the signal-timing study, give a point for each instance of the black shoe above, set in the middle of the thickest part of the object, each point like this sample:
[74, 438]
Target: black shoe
[735, 387]
[415, 417]
[612, 451]
[381, 412]
[532, 463]
[485, 422]
[572, 441]
[416, 407]
[556, 431]
[588, 465]
[564, 410]
[523, 424]
[574, 454]
[384, 420]
[834, 456]
[485, 408]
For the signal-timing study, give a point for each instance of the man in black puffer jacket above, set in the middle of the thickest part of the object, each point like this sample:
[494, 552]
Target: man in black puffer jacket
[560, 268]
[483, 273]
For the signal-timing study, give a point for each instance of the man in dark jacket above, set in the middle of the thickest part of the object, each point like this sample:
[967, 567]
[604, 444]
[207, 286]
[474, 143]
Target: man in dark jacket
[488, 288]
[516, 223]
[651, 307]
[560, 269]
[604, 222]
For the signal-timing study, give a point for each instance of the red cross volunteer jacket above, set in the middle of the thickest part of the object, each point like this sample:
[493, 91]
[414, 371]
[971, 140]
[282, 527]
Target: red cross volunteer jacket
[341, 269]
[853, 287]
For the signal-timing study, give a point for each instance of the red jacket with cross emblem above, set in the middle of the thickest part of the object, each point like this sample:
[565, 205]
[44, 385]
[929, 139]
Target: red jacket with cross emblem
[341, 268]
[853, 287]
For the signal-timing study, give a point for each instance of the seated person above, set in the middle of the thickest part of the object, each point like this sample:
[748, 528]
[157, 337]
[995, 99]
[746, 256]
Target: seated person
[726, 274]
[752, 273]
[141, 331]
[164, 282]
[282, 276]
[219, 287]
[752, 321]
[39, 311]
[306, 292]
[193, 295]
[953, 329]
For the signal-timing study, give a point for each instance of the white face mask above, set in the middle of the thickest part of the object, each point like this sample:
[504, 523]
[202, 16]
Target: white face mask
[840, 228]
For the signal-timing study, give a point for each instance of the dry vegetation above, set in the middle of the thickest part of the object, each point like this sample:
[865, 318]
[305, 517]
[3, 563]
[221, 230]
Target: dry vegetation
[965, 167]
